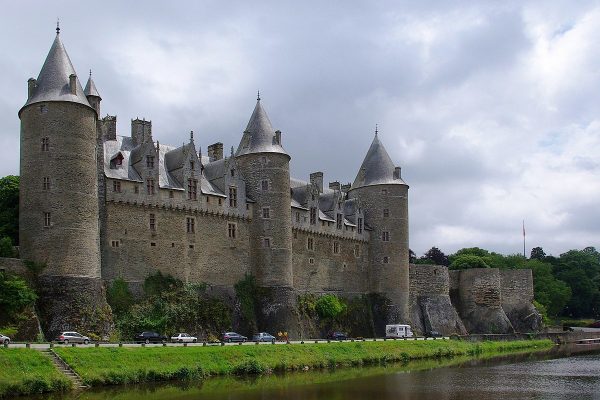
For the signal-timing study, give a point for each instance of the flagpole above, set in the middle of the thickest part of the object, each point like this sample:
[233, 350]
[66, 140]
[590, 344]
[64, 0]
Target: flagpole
[524, 256]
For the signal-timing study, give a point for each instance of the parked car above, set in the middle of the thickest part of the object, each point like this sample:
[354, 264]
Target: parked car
[433, 334]
[4, 339]
[595, 324]
[150, 337]
[233, 337]
[263, 337]
[183, 338]
[337, 336]
[72, 337]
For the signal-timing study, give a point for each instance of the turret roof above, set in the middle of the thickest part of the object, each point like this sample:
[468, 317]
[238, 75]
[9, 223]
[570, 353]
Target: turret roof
[53, 82]
[90, 88]
[259, 136]
[377, 168]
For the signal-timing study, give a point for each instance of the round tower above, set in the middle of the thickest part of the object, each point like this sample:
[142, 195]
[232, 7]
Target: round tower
[58, 218]
[265, 167]
[384, 196]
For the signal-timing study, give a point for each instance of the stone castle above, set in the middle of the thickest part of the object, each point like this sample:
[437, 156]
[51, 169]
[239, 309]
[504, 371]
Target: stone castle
[96, 206]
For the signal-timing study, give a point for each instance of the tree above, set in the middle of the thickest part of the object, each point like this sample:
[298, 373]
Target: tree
[436, 256]
[9, 208]
[329, 306]
[412, 257]
[466, 261]
[15, 295]
[537, 253]
[119, 297]
[6, 247]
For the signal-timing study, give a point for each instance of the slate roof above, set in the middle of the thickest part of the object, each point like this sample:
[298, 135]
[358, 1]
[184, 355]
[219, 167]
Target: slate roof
[259, 136]
[377, 168]
[53, 82]
[90, 88]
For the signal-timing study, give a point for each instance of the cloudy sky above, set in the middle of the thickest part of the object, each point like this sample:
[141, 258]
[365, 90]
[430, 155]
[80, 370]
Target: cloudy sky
[492, 109]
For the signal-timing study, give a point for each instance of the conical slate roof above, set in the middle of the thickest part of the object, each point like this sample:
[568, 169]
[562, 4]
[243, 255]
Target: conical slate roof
[259, 136]
[90, 88]
[53, 82]
[377, 168]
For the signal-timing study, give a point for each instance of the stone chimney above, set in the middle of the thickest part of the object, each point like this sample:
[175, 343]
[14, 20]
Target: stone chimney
[215, 151]
[316, 178]
[30, 87]
[141, 131]
[278, 137]
[335, 186]
[397, 173]
[73, 83]
[108, 127]
[346, 187]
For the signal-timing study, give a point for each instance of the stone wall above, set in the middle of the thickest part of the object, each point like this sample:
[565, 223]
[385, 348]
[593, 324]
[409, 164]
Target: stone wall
[430, 306]
[517, 300]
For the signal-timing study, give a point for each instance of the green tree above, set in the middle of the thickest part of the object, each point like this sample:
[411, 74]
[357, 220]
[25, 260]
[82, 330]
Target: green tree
[580, 269]
[9, 208]
[157, 283]
[537, 253]
[15, 295]
[6, 247]
[466, 261]
[119, 297]
[435, 256]
[552, 293]
[329, 306]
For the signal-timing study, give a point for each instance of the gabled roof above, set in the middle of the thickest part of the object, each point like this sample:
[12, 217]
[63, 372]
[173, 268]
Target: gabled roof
[53, 82]
[259, 136]
[377, 168]
[90, 88]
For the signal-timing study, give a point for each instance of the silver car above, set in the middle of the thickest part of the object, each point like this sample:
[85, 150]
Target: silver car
[183, 338]
[72, 337]
[4, 339]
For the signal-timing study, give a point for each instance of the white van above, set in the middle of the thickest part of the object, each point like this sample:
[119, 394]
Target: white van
[398, 331]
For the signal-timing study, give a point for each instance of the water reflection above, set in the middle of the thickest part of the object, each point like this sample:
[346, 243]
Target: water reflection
[565, 372]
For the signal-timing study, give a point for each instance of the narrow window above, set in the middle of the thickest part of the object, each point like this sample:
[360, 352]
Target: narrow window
[295, 235]
[232, 171]
[264, 160]
[360, 226]
[264, 184]
[114, 243]
[386, 212]
[357, 250]
[117, 186]
[220, 201]
[267, 243]
[150, 161]
[150, 186]
[43, 109]
[266, 213]
[192, 165]
[152, 244]
[171, 194]
[297, 216]
[311, 260]
[232, 197]
[313, 215]
[386, 260]
[231, 230]
[336, 248]
[46, 144]
[152, 222]
[190, 222]
[46, 183]
[339, 219]
[136, 189]
[385, 236]
[207, 199]
[192, 189]
[47, 220]
[310, 243]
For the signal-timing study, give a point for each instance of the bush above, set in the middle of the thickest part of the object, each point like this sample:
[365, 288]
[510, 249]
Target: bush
[119, 297]
[15, 295]
[329, 306]
[6, 247]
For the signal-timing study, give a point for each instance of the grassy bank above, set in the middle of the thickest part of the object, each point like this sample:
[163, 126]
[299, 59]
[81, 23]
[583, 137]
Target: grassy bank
[101, 366]
[27, 371]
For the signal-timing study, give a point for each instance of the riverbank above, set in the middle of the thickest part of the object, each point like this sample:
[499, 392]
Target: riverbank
[120, 365]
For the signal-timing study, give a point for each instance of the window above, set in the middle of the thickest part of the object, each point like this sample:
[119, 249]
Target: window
[150, 186]
[232, 197]
[46, 183]
[47, 220]
[383, 191]
[231, 230]
[386, 212]
[267, 243]
[171, 194]
[266, 213]
[43, 109]
[313, 215]
[264, 184]
[46, 144]
[192, 165]
[117, 161]
[192, 189]
[220, 201]
[295, 235]
[263, 160]
[336, 248]
[152, 244]
[232, 171]
[207, 199]
[152, 222]
[297, 216]
[114, 243]
[191, 246]
[150, 161]
[136, 189]
[190, 222]
[385, 236]
[360, 225]
[311, 260]
[310, 243]
[117, 186]
[357, 250]
[338, 221]
[386, 260]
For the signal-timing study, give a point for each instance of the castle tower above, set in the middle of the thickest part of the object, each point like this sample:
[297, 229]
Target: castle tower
[58, 220]
[92, 95]
[384, 196]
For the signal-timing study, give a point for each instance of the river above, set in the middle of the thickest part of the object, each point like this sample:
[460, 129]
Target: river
[568, 372]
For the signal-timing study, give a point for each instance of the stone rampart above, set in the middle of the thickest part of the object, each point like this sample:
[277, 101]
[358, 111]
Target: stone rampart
[517, 299]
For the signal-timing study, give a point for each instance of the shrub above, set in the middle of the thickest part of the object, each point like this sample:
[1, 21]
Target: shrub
[329, 306]
[15, 295]
[6, 247]
[119, 297]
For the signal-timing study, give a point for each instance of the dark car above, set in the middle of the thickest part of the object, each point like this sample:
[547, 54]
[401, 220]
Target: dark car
[337, 336]
[150, 337]
[233, 337]
[433, 334]
[594, 325]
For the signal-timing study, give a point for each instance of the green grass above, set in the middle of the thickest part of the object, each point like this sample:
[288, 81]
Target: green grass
[27, 371]
[102, 365]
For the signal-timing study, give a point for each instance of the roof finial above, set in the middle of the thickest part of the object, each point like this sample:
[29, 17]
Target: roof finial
[57, 26]
[258, 96]
[90, 73]
[376, 130]
[191, 135]
[231, 151]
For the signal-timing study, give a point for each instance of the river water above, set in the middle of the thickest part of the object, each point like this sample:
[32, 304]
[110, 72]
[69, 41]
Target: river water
[563, 373]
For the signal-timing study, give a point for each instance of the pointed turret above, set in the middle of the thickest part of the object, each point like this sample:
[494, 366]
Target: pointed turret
[57, 80]
[259, 135]
[91, 93]
[377, 168]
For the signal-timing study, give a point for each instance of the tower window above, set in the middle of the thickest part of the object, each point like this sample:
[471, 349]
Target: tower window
[136, 189]
[47, 220]
[266, 212]
[232, 197]
[192, 189]
[310, 243]
[297, 216]
[46, 183]
[386, 260]
[190, 222]
[231, 230]
[336, 247]
[267, 243]
[338, 220]
[264, 184]
[220, 201]
[386, 212]
[171, 194]
[357, 250]
[360, 225]
[207, 199]
[385, 236]
[313, 215]
[232, 171]
[150, 186]
[46, 144]
[114, 243]
[150, 161]
[117, 186]
[311, 260]
[152, 222]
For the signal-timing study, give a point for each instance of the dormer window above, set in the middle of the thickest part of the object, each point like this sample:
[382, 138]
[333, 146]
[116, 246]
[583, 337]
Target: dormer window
[116, 161]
